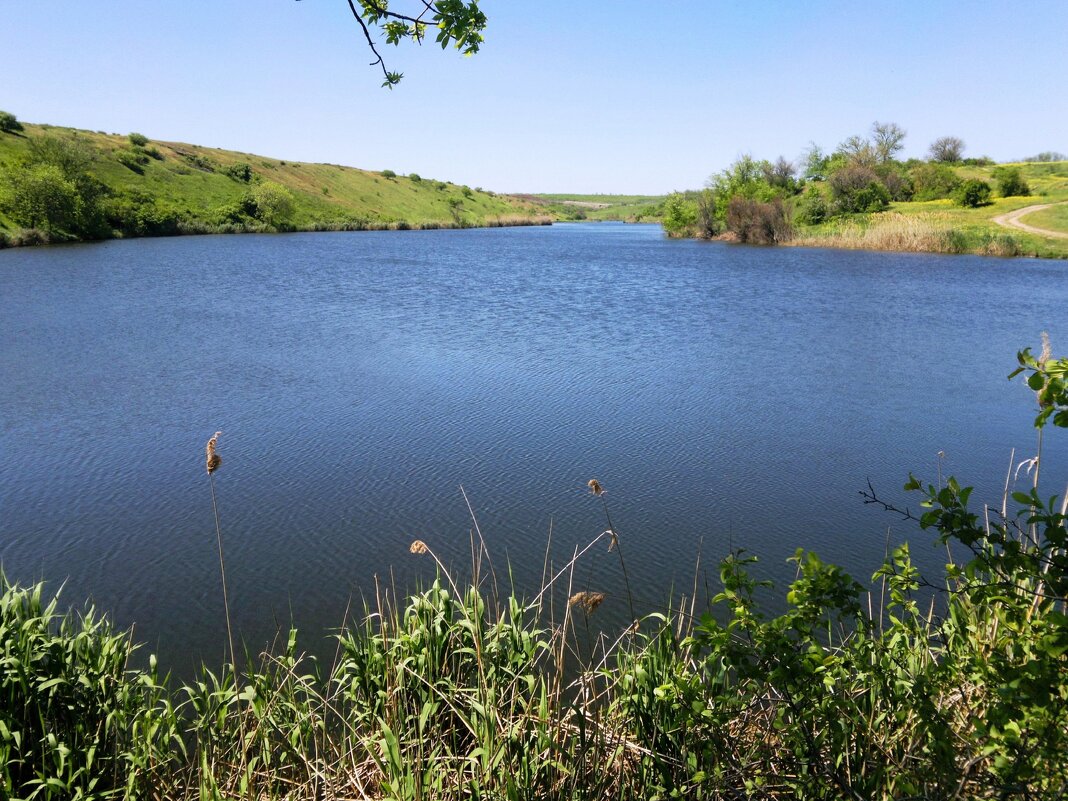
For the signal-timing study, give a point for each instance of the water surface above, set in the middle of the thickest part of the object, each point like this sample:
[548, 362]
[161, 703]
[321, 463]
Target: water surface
[725, 396]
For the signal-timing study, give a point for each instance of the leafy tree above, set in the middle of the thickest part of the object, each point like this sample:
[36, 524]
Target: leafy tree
[680, 215]
[973, 194]
[781, 174]
[457, 23]
[815, 163]
[415, 177]
[1011, 182]
[40, 195]
[886, 140]
[138, 140]
[947, 149]
[9, 123]
[274, 203]
[388, 174]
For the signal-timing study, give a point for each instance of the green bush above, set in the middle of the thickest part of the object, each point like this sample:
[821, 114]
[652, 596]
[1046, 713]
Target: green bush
[388, 174]
[1011, 182]
[973, 194]
[933, 181]
[811, 207]
[414, 177]
[857, 189]
[9, 123]
[133, 160]
[239, 172]
[138, 140]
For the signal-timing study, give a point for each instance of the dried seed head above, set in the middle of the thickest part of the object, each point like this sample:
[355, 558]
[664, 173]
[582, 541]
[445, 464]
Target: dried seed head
[587, 601]
[1047, 350]
[613, 541]
[214, 460]
[595, 486]
[418, 547]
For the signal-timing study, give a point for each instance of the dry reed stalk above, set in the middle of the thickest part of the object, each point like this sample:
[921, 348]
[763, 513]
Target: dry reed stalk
[212, 462]
[599, 491]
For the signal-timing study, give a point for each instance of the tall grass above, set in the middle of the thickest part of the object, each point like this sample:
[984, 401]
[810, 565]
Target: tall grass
[928, 232]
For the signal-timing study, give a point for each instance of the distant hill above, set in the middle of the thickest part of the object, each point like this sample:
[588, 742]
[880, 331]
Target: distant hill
[65, 183]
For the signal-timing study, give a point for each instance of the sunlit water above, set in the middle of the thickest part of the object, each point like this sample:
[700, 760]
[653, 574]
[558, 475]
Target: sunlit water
[725, 396]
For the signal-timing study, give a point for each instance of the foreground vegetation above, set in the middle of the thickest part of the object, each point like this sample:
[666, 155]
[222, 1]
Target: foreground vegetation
[460, 692]
[63, 184]
[863, 196]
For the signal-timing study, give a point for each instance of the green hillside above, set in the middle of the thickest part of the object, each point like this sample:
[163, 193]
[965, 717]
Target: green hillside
[628, 208]
[128, 185]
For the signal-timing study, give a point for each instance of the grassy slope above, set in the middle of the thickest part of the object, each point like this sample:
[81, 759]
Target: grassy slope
[631, 208]
[323, 193]
[908, 226]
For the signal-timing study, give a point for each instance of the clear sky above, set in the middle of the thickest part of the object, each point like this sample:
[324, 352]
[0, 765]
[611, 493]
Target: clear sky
[566, 96]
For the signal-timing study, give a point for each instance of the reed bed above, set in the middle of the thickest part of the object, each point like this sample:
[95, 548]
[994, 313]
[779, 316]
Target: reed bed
[930, 232]
[460, 691]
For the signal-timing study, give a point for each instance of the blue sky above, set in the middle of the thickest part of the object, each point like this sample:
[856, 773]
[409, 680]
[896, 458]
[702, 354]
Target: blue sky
[565, 96]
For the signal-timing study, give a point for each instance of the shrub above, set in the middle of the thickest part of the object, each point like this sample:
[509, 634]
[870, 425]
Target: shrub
[414, 177]
[973, 194]
[9, 122]
[812, 207]
[388, 174]
[1011, 182]
[133, 160]
[858, 189]
[933, 181]
[138, 140]
[154, 152]
[680, 215]
[40, 195]
[758, 223]
[274, 203]
[239, 172]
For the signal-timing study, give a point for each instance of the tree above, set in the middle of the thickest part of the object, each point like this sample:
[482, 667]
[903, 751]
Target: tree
[40, 195]
[886, 140]
[947, 149]
[9, 122]
[138, 140]
[457, 22]
[858, 151]
[815, 163]
[274, 203]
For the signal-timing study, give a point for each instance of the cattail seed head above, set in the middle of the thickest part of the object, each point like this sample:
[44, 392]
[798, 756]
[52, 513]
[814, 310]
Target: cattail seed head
[418, 547]
[214, 460]
[586, 601]
[595, 486]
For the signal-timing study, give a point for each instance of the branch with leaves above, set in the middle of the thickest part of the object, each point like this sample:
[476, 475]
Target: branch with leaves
[458, 23]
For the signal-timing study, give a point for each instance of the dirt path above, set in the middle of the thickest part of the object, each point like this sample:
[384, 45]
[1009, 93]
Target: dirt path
[1012, 220]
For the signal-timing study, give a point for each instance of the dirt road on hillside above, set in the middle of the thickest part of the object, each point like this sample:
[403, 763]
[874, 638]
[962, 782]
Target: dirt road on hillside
[1012, 220]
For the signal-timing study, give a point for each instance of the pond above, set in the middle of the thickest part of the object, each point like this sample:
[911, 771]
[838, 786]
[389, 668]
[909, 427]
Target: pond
[725, 396]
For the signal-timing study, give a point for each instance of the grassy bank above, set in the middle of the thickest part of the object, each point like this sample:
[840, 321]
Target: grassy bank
[464, 692]
[156, 188]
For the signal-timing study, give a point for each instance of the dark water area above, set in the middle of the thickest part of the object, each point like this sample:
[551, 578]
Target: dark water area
[725, 396]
